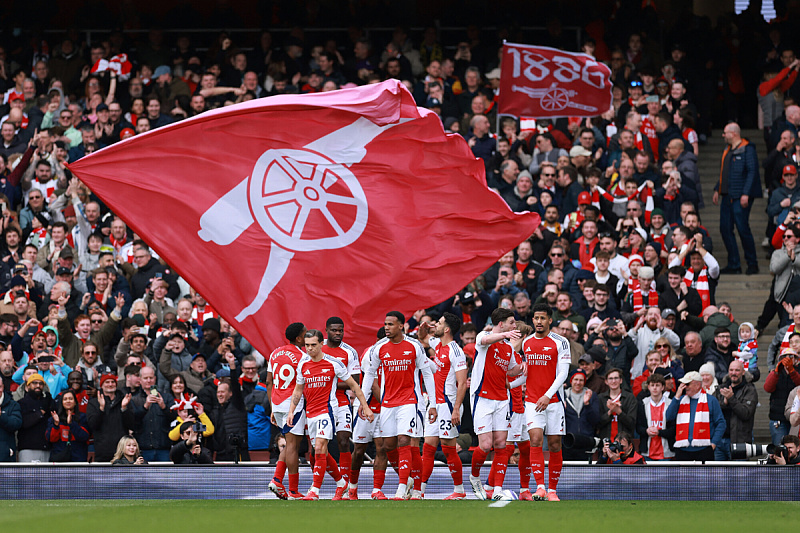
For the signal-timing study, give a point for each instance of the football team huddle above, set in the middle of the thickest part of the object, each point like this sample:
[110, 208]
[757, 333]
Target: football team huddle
[512, 393]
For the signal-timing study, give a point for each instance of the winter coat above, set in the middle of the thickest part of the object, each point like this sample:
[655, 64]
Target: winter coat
[35, 414]
[740, 411]
[77, 437]
[109, 425]
[10, 422]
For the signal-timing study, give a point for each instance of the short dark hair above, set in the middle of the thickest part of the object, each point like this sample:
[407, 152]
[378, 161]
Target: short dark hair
[186, 426]
[656, 378]
[398, 315]
[470, 327]
[334, 320]
[310, 334]
[794, 439]
[453, 322]
[542, 308]
[678, 270]
[294, 330]
[720, 330]
[501, 315]
[602, 287]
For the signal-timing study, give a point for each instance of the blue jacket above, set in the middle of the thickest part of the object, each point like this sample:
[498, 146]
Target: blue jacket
[78, 436]
[716, 419]
[743, 178]
[259, 427]
[10, 422]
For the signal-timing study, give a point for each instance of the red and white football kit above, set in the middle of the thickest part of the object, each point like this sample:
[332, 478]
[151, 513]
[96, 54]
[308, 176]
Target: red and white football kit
[548, 361]
[488, 391]
[319, 379]
[449, 359]
[282, 364]
[348, 356]
[400, 389]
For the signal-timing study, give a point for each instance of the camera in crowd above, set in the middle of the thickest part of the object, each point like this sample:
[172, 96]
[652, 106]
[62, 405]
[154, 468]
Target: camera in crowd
[199, 428]
[579, 442]
[613, 447]
[743, 450]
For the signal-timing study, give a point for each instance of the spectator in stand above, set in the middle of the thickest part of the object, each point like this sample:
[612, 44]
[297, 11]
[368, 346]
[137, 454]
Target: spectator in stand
[738, 186]
[581, 412]
[110, 417]
[738, 399]
[593, 364]
[645, 333]
[479, 140]
[693, 355]
[699, 422]
[656, 435]
[779, 384]
[67, 431]
[617, 408]
[720, 353]
[128, 453]
[152, 418]
[10, 422]
[35, 406]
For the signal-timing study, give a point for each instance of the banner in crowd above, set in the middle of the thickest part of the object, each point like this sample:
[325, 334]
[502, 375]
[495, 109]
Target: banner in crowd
[301, 207]
[543, 82]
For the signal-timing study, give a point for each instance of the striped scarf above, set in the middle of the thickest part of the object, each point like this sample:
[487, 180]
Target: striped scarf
[701, 434]
[700, 284]
[785, 341]
[638, 302]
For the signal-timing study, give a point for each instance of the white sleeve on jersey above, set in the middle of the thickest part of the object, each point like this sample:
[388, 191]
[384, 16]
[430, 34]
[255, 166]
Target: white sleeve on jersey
[562, 370]
[341, 371]
[518, 381]
[425, 366]
[458, 361]
[373, 363]
[353, 366]
[300, 379]
[433, 342]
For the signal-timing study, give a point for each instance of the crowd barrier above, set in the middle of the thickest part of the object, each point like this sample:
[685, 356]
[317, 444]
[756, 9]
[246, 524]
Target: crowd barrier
[664, 481]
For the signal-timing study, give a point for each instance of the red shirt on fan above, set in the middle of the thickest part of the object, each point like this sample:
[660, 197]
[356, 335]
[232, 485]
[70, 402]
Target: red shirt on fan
[543, 356]
[282, 364]
[319, 383]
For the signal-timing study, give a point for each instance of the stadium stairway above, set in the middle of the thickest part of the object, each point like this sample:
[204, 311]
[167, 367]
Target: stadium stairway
[745, 294]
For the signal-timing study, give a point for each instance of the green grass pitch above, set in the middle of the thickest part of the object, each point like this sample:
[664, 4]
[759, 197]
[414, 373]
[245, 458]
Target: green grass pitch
[233, 516]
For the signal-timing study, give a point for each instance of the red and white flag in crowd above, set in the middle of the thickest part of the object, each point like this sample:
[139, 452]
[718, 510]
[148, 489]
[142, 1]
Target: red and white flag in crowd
[544, 82]
[299, 207]
[119, 64]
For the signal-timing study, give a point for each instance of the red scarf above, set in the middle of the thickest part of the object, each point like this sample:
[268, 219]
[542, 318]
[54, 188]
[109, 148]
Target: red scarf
[701, 434]
[638, 303]
[115, 242]
[785, 341]
[700, 284]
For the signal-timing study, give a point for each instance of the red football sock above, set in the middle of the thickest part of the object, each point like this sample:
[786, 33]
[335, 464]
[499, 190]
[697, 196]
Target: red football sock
[492, 471]
[378, 477]
[556, 462]
[404, 464]
[454, 462]
[499, 465]
[524, 464]
[537, 464]
[428, 453]
[294, 482]
[280, 471]
[394, 459]
[332, 468]
[416, 467]
[478, 457]
[319, 470]
[354, 475]
[345, 458]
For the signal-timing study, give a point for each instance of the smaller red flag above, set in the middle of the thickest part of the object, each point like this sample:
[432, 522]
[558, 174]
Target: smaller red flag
[545, 82]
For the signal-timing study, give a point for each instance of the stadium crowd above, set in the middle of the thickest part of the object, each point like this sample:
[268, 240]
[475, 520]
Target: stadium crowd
[102, 341]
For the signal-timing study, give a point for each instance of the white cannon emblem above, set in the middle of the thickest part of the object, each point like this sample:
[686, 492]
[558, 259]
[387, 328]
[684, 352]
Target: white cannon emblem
[554, 98]
[286, 187]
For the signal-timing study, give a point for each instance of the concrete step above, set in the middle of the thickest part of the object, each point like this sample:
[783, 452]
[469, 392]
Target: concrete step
[745, 294]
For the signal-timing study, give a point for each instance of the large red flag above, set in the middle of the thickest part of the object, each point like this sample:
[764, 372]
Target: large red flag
[543, 82]
[300, 207]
